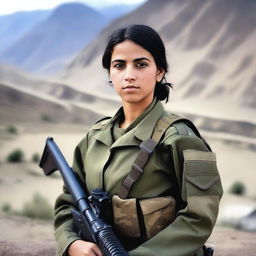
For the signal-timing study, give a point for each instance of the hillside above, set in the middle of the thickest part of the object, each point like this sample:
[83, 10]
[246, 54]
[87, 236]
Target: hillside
[56, 90]
[37, 103]
[32, 112]
[53, 42]
[211, 52]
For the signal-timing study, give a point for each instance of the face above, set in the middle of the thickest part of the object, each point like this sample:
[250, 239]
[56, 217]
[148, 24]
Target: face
[134, 73]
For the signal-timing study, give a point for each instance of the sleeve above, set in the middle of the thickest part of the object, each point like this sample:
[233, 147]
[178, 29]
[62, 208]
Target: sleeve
[64, 234]
[200, 193]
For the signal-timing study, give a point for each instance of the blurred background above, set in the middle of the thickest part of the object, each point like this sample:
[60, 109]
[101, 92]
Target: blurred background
[52, 84]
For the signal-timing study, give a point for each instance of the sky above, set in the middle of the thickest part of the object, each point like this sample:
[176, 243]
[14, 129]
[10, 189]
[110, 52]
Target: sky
[11, 6]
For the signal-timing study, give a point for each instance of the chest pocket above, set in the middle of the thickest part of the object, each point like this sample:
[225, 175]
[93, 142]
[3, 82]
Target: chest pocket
[157, 213]
[142, 218]
[200, 176]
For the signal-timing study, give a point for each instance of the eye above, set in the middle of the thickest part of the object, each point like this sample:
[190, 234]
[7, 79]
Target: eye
[141, 64]
[118, 65]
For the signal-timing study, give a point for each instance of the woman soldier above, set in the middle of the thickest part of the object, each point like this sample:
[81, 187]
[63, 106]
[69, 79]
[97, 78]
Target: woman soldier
[159, 171]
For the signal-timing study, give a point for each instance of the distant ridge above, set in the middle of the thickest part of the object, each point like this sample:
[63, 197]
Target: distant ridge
[26, 99]
[13, 26]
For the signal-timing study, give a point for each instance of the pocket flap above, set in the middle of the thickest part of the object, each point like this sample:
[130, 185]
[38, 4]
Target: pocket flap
[197, 155]
[151, 205]
[202, 182]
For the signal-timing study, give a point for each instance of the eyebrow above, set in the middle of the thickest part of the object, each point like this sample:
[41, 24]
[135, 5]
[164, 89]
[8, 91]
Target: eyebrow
[143, 58]
[135, 60]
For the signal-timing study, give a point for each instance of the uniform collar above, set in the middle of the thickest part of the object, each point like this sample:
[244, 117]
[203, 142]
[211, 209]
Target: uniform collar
[141, 132]
[145, 128]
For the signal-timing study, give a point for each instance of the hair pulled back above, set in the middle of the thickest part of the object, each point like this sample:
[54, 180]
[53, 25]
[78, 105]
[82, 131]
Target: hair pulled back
[150, 40]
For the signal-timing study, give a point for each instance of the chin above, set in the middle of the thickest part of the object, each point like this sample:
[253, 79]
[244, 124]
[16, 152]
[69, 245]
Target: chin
[131, 101]
[134, 100]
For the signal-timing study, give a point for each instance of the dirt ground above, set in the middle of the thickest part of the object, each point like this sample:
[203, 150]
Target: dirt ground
[23, 236]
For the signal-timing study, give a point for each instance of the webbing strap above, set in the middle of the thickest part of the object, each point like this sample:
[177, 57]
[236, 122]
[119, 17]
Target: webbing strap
[146, 148]
[162, 125]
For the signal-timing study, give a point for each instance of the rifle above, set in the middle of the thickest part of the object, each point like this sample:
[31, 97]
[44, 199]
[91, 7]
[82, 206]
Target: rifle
[87, 217]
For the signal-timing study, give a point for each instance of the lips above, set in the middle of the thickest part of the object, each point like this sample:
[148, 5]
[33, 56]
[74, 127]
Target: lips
[130, 87]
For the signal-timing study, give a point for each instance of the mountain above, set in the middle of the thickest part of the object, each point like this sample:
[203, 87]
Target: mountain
[51, 44]
[211, 52]
[117, 10]
[13, 26]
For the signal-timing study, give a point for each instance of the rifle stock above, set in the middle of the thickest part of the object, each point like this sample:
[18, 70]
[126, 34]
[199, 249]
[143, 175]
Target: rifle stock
[91, 227]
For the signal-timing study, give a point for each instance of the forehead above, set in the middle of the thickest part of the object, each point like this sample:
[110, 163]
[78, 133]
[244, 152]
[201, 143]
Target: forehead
[129, 50]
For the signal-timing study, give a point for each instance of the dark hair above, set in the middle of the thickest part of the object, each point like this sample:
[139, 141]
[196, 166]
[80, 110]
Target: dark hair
[150, 40]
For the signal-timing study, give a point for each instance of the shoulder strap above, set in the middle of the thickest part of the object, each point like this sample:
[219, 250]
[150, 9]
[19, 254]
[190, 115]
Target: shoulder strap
[146, 148]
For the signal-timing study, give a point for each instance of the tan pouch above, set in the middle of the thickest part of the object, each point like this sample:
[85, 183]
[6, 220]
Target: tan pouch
[125, 216]
[158, 213]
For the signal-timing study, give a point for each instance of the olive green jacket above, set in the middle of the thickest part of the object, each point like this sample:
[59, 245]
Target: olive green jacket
[181, 165]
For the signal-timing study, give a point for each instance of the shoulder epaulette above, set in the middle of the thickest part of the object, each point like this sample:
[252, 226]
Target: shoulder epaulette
[100, 123]
[189, 129]
[106, 118]
[183, 129]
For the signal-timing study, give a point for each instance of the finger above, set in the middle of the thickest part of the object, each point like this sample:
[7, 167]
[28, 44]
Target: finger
[97, 250]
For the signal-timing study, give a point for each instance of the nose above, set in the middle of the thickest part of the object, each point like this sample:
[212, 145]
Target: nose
[129, 75]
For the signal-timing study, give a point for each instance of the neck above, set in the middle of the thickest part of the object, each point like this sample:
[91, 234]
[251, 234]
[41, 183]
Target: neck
[131, 112]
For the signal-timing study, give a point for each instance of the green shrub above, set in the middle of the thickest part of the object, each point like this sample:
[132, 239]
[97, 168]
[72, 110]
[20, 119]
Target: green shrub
[35, 158]
[38, 208]
[237, 188]
[6, 207]
[34, 173]
[16, 156]
[46, 118]
[11, 129]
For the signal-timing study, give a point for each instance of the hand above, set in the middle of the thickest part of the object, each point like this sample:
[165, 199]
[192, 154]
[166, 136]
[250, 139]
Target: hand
[83, 248]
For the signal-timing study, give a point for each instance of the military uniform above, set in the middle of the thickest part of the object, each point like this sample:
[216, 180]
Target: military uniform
[181, 166]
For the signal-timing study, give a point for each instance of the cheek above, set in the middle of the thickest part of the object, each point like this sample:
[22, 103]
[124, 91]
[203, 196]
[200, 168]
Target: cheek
[150, 77]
